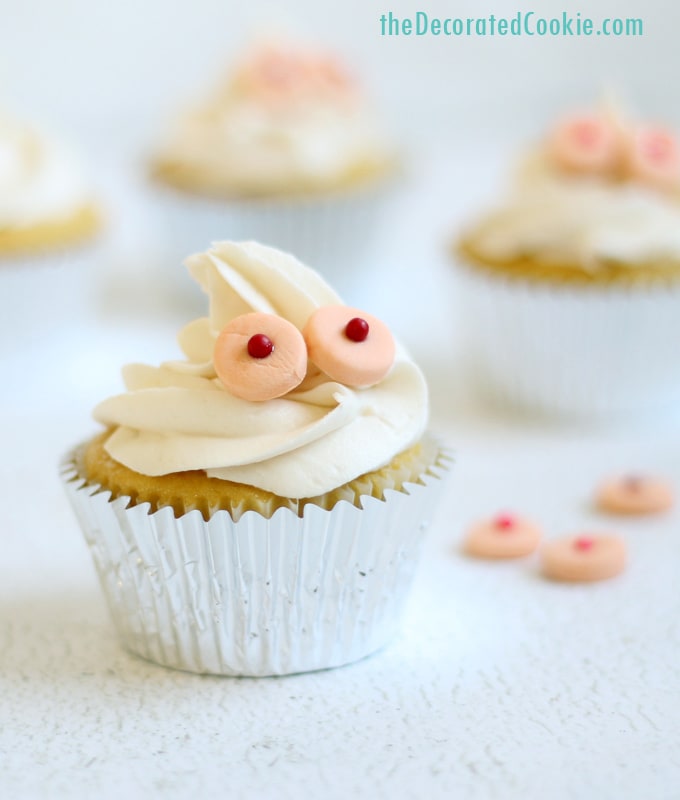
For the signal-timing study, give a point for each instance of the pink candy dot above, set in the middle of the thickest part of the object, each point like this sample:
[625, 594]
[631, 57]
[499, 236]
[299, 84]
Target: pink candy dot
[584, 543]
[585, 133]
[658, 148]
[504, 522]
[633, 483]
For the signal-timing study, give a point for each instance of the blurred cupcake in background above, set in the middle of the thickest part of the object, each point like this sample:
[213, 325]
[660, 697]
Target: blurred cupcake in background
[572, 285]
[47, 216]
[287, 152]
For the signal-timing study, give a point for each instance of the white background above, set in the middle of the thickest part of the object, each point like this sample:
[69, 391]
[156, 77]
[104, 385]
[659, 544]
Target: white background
[115, 69]
[502, 685]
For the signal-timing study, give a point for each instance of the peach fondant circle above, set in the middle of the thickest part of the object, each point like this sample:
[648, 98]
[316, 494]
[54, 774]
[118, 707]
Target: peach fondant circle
[352, 363]
[260, 379]
[585, 144]
[634, 495]
[495, 538]
[584, 557]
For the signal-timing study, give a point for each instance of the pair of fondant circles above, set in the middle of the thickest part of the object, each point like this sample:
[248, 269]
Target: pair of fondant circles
[589, 557]
[261, 356]
[596, 145]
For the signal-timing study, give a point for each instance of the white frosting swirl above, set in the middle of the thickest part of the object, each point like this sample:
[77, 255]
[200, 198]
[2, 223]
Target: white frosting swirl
[179, 417]
[556, 218]
[250, 150]
[251, 143]
[39, 180]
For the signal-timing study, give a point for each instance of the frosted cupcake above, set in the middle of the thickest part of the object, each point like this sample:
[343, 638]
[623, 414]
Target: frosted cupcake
[257, 508]
[573, 282]
[46, 216]
[288, 151]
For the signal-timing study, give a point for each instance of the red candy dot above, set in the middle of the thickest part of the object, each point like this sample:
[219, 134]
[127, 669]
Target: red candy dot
[356, 329]
[583, 543]
[260, 346]
[504, 522]
[633, 483]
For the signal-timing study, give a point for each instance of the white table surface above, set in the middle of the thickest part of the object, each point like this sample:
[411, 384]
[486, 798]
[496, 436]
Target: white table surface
[501, 685]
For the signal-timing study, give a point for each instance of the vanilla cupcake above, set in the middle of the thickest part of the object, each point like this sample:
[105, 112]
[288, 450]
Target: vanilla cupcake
[288, 151]
[47, 215]
[257, 507]
[572, 285]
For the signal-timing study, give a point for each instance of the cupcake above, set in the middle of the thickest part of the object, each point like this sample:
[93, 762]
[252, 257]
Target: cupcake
[257, 508]
[46, 216]
[287, 152]
[572, 285]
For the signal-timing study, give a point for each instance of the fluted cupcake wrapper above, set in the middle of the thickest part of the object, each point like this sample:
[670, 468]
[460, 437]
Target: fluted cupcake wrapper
[590, 352]
[258, 596]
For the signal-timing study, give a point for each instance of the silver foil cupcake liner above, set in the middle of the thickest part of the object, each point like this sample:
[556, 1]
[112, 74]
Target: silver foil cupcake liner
[259, 596]
[597, 353]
